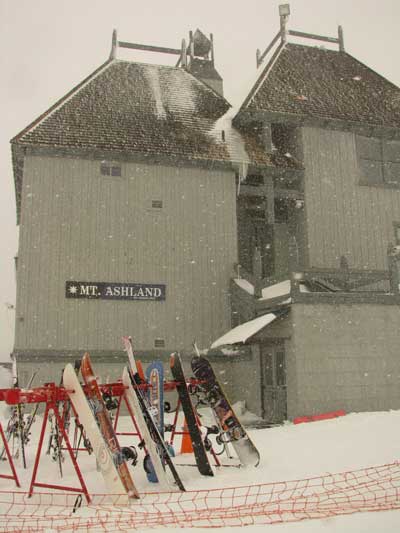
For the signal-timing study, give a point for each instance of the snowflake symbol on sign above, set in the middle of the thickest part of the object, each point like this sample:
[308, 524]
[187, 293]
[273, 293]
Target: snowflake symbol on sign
[73, 289]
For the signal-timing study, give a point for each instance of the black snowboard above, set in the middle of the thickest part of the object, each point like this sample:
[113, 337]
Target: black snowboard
[199, 449]
[215, 397]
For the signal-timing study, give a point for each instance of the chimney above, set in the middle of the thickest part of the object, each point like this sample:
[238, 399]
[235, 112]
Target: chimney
[201, 61]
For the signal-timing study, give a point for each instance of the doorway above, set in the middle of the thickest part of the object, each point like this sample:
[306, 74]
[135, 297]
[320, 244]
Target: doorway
[273, 382]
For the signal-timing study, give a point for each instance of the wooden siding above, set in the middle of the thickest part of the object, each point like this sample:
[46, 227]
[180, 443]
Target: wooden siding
[79, 225]
[343, 217]
[356, 370]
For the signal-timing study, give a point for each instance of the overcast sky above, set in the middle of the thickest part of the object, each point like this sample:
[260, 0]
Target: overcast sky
[48, 46]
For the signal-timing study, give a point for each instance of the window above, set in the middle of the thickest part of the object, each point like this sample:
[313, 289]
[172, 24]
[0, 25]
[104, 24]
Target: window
[110, 169]
[396, 226]
[254, 180]
[156, 204]
[159, 343]
[379, 161]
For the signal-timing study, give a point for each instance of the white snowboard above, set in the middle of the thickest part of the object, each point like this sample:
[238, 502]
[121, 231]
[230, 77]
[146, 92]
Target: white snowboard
[151, 446]
[100, 449]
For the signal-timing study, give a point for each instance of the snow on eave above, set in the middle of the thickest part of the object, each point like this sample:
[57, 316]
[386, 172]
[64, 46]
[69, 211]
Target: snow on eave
[275, 291]
[33, 125]
[245, 285]
[224, 132]
[242, 333]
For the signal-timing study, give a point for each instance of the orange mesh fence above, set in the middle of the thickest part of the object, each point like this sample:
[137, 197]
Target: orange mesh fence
[370, 489]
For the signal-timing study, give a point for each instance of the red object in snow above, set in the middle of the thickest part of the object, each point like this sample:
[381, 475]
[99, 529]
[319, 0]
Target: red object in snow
[315, 418]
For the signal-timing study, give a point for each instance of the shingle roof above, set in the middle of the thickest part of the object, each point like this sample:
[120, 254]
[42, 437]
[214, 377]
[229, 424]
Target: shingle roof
[140, 108]
[308, 81]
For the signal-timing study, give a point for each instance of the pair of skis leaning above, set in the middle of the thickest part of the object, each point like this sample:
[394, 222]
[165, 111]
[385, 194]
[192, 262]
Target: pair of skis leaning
[157, 450]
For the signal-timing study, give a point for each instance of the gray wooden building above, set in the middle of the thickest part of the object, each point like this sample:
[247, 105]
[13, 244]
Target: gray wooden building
[143, 210]
[126, 200]
[318, 246]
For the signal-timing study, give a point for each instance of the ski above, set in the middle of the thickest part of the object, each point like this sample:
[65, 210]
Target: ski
[145, 408]
[17, 428]
[101, 450]
[154, 377]
[150, 438]
[103, 419]
[199, 449]
[215, 397]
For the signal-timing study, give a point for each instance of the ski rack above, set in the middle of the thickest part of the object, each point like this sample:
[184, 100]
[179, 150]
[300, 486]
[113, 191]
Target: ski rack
[51, 395]
[10, 460]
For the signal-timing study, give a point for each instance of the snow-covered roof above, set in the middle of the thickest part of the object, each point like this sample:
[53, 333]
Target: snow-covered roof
[306, 81]
[242, 333]
[148, 109]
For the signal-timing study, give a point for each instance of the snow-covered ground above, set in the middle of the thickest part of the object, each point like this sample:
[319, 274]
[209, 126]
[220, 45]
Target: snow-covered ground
[318, 450]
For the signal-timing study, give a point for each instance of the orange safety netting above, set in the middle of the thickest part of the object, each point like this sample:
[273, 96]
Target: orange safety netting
[370, 489]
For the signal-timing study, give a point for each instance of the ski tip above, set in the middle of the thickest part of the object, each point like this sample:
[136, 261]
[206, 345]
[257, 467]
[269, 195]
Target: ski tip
[127, 342]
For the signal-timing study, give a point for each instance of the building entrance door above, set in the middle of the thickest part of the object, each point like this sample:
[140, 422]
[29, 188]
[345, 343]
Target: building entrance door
[273, 364]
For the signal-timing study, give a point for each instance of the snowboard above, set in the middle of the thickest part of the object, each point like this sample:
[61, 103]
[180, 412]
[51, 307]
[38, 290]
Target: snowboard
[101, 450]
[199, 449]
[104, 422]
[215, 397]
[151, 440]
[146, 410]
[155, 378]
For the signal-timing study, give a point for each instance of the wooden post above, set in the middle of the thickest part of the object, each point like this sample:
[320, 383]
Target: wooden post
[183, 54]
[344, 269]
[212, 49]
[258, 55]
[113, 53]
[293, 254]
[191, 46]
[393, 269]
[257, 272]
[341, 39]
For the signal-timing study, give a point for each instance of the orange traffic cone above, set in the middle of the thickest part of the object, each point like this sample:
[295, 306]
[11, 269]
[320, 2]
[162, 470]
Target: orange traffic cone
[186, 444]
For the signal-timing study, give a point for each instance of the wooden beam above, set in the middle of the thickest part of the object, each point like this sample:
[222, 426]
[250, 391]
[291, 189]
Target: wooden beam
[341, 38]
[260, 58]
[113, 53]
[312, 36]
[148, 48]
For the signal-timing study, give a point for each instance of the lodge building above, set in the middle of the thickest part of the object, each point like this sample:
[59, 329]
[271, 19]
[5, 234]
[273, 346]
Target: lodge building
[269, 234]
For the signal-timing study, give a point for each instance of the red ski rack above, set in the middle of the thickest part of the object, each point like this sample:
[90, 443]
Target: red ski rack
[52, 395]
[9, 457]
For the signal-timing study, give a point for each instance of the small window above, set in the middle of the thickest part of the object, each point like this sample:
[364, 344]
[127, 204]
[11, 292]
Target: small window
[108, 169]
[159, 343]
[157, 204]
[396, 226]
[379, 161]
[254, 180]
